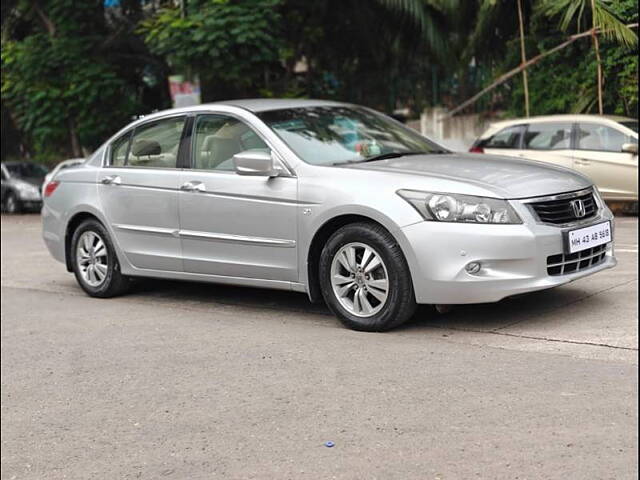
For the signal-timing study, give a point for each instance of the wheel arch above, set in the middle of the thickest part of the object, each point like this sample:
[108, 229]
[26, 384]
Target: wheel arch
[323, 233]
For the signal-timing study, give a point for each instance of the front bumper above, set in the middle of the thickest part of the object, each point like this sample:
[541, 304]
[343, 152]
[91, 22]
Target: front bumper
[513, 258]
[31, 205]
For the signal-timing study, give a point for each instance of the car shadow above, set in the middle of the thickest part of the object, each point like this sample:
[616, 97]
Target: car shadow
[536, 306]
[213, 293]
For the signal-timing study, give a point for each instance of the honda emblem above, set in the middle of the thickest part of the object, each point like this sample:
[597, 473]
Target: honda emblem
[579, 209]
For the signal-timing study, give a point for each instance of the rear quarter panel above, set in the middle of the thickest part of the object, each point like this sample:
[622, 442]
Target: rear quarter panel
[77, 193]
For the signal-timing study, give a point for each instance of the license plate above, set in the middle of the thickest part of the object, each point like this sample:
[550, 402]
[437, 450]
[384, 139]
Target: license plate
[588, 237]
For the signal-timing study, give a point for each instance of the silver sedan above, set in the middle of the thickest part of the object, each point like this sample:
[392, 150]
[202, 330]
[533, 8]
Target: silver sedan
[331, 199]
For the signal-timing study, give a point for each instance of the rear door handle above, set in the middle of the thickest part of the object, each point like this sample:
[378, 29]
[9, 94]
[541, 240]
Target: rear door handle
[193, 186]
[581, 162]
[112, 180]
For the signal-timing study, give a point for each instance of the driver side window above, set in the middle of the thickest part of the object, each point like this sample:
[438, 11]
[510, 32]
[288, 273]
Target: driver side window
[218, 138]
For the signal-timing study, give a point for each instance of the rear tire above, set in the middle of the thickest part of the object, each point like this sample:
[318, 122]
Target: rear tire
[364, 278]
[94, 261]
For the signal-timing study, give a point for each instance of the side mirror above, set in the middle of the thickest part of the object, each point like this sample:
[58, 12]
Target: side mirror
[144, 148]
[630, 148]
[257, 163]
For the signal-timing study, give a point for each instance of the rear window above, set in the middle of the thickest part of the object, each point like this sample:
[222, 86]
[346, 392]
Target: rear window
[506, 138]
[26, 170]
[548, 136]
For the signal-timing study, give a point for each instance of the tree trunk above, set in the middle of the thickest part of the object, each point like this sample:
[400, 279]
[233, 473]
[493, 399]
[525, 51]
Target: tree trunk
[76, 150]
[523, 56]
[596, 47]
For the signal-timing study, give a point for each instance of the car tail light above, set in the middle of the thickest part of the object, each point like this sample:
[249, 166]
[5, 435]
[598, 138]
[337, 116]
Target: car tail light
[475, 149]
[50, 187]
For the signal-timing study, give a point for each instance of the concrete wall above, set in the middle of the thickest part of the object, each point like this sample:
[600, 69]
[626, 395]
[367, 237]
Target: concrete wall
[456, 133]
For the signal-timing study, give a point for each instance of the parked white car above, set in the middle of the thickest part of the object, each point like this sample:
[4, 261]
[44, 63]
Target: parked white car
[605, 148]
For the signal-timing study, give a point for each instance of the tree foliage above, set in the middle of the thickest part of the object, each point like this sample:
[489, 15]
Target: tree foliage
[221, 41]
[74, 72]
[63, 81]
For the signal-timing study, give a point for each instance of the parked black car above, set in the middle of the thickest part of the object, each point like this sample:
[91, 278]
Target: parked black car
[21, 186]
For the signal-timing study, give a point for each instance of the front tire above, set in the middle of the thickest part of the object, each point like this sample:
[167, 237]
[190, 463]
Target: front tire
[12, 204]
[365, 279]
[94, 261]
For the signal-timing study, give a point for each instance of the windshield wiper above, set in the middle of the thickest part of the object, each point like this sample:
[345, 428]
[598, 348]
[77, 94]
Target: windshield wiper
[385, 156]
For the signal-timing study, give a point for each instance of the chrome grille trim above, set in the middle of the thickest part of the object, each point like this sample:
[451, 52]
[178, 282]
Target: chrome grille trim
[564, 263]
[557, 209]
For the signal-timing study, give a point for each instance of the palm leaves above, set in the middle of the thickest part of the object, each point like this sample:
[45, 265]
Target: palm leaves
[575, 12]
[603, 22]
[427, 16]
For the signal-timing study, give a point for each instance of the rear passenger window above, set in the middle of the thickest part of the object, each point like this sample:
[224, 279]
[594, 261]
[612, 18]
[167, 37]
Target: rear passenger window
[548, 136]
[156, 144]
[592, 136]
[506, 138]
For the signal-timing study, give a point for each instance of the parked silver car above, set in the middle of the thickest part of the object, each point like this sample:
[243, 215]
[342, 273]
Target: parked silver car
[331, 199]
[21, 185]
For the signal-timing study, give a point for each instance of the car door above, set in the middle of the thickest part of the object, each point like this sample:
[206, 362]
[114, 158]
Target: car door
[548, 142]
[234, 225]
[138, 191]
[599, 155]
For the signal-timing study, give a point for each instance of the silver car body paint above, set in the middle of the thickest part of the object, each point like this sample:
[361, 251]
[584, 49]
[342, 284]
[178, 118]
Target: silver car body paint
[257, 231]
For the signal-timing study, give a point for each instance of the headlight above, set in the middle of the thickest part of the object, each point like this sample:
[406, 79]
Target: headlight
[449, 207]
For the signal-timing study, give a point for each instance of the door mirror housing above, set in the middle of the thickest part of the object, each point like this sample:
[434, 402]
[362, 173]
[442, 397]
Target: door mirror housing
[257, 163]
[630, 148]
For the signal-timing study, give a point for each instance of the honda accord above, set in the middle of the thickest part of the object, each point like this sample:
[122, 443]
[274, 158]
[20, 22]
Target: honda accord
[332, 199]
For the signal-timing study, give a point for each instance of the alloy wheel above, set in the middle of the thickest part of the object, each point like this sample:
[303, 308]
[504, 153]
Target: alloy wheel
[92, 258]
[359, 279]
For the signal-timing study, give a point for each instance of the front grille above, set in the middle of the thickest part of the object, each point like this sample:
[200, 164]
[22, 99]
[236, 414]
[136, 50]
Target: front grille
[561, 211]
[561, 264]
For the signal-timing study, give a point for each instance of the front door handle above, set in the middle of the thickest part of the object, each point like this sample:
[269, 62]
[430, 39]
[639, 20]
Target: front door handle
[582, 163]
[193, 186]
[112, 180]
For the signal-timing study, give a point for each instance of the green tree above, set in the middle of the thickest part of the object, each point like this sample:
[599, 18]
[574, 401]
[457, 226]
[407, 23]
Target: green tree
[230, 45]
[603, 18]
[66, 78]
[379, 52]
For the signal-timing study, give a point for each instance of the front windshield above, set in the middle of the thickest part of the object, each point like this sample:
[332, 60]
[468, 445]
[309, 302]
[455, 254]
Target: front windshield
[336, 135]
[26, 170]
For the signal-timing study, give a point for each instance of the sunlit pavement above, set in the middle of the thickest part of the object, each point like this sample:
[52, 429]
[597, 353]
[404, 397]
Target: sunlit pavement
[185, 380]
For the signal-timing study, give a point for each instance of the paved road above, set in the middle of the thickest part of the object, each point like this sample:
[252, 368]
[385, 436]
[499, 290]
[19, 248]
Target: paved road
[192, 381]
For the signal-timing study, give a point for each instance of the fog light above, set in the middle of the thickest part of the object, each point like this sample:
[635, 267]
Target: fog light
[473, 267]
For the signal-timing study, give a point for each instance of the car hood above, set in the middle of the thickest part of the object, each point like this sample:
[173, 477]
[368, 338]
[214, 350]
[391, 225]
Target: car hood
[35, 181]
[505, 176]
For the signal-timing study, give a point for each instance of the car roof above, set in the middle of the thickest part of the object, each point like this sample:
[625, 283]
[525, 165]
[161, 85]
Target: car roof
[264, 104]
[564, 118]
[572, 118]
[254, 105]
